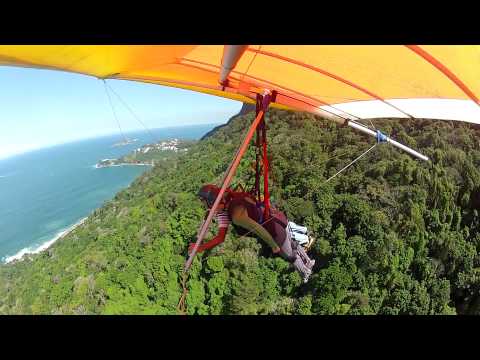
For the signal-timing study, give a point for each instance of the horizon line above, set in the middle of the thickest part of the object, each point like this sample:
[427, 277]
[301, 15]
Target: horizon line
[41, 147]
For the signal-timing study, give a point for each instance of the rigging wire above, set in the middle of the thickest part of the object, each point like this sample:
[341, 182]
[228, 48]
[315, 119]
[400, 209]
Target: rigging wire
[251, 62]
[354, 161]
[113, 111]
[133, 113]
[309, 166]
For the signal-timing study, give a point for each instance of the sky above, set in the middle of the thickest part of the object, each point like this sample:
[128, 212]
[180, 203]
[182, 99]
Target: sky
[41, 108]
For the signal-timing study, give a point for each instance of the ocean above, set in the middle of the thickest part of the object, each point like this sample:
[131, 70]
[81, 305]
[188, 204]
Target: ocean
[45, 192]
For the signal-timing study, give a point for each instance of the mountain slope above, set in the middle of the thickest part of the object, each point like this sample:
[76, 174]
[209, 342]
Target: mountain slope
[394, 235]
[246, 108]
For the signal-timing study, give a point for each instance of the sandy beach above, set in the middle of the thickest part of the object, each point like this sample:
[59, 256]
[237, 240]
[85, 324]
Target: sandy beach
[19, 256]
[125, 164]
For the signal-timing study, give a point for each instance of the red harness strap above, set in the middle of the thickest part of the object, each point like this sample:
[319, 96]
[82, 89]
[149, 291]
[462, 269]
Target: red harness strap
[258, 144]
[266, 194]
[261, 144]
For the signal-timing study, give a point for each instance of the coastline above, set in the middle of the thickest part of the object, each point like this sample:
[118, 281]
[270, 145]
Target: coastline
[20, 255]
[124, 164]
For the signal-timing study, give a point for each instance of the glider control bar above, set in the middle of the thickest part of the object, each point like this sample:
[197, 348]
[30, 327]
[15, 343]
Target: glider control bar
[266, 99]
[382, 138]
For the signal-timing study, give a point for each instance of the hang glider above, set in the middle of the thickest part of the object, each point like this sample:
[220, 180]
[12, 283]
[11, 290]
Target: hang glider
[341, 83]
[358, 81]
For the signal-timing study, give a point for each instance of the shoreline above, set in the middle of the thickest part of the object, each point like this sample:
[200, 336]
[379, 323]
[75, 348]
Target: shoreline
[20, 255]
[124, 164]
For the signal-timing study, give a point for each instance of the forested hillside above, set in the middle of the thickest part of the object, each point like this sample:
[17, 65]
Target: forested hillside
[394, 235]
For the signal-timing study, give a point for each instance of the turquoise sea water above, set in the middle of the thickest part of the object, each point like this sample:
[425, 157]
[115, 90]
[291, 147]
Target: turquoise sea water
[44, 192]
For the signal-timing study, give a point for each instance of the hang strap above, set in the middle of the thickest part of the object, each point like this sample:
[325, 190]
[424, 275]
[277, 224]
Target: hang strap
[266, 193]
[261, 144]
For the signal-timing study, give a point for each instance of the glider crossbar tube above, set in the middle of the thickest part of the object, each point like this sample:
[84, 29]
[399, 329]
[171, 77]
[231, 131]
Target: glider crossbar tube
[387, 139]
[228, 178]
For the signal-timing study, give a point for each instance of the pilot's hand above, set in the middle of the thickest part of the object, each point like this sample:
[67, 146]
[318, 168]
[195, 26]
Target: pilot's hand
[191, 246]
[276, 250]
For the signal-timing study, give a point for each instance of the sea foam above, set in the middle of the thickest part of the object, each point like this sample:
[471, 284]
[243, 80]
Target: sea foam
[37, 249]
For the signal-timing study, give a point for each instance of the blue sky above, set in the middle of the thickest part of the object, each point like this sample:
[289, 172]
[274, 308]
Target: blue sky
[40, 108]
